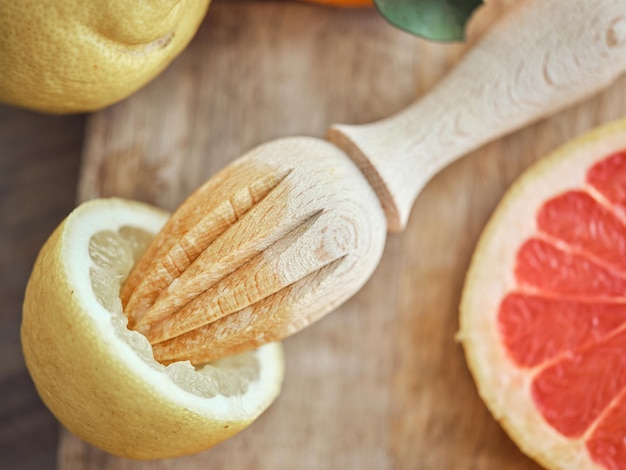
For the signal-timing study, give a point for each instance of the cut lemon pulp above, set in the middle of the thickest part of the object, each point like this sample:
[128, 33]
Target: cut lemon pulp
[98, 377]
[543, 313]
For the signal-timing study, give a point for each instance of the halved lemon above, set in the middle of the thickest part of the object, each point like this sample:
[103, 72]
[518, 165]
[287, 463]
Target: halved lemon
[98, 377]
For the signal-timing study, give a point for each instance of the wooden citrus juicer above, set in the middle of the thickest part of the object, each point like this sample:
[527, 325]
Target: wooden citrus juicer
[288, 232]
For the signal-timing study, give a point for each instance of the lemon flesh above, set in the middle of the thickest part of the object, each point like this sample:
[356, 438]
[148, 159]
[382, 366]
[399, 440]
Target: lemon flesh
[99, 378]
[72, 56]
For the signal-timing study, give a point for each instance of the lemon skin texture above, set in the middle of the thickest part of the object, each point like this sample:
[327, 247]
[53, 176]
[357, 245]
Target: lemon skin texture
[67, 56]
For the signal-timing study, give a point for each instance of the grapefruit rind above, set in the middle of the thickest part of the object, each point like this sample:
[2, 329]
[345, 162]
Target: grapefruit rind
[103, 388]
[503, 386]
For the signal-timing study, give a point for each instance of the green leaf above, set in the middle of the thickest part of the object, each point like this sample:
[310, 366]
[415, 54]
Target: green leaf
[438, 20]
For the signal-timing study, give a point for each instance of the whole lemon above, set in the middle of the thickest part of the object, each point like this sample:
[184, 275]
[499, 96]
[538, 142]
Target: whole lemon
[67, 56]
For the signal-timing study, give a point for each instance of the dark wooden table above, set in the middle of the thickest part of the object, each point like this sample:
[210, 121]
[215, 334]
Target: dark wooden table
[39, 161]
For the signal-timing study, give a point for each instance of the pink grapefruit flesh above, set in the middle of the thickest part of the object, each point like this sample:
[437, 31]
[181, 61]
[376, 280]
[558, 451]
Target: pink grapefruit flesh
[558, 346]
[575, 274]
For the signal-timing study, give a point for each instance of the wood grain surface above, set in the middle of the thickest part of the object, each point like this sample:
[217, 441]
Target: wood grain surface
[39, 161]
[381, 382]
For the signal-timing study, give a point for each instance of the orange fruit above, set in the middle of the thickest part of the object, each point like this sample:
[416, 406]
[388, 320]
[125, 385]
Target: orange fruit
[344, 3]
[543, 312]
[98, 377]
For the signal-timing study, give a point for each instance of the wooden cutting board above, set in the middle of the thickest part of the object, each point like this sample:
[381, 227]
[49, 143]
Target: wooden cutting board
[381, 382]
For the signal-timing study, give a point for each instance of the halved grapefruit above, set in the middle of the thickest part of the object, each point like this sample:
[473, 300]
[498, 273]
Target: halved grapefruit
[543, 313]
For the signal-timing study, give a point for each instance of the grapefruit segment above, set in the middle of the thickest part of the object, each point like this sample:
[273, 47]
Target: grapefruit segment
[572, 393]
[536, 329]
[608, 177]
[544, 266]
[543, 311]
[606, 444]
[587, 226]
